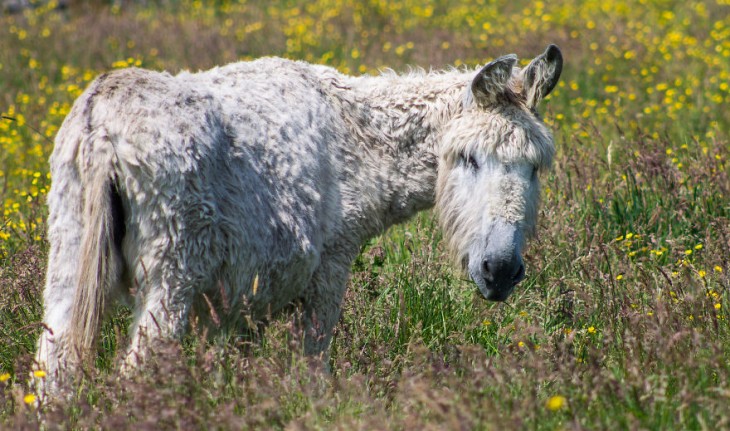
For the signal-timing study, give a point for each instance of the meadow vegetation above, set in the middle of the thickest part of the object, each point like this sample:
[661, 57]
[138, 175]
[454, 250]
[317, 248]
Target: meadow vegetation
[621, 322]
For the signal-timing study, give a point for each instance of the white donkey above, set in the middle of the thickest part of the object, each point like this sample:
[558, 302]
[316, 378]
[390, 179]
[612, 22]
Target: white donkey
[252, 186]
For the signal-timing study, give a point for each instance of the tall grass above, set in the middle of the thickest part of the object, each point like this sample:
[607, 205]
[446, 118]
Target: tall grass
[621, 322]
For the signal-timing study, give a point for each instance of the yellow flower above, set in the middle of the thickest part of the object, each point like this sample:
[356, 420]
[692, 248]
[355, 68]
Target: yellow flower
[29, 399]
[521, 344]
[718, 306]
[688, 252]
[4, 377]
[619, 277]
[702, 273]
[718, 268]
[698, 247]
[39, 374]
[591, 330]
[556, 402]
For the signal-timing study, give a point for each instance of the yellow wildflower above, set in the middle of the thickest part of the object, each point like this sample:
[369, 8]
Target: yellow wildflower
[29, 399]
[4, 377]
[591, 329]
[39, 374]
[718, 306]
[556, 402]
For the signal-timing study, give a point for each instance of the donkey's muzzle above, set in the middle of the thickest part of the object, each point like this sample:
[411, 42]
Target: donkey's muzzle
[500, 279]
[498, 268]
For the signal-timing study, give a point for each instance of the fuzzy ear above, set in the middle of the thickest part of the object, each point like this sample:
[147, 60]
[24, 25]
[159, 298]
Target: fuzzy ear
[492, 80]
[542, 75]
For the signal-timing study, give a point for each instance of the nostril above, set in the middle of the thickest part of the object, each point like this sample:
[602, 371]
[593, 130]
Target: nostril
[487, 271]
[520, 274]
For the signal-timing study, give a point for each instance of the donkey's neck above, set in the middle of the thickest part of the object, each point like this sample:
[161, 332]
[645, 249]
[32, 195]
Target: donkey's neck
[397, 124]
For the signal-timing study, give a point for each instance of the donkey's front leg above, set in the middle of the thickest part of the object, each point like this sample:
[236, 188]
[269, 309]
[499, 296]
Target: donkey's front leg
[322, 306]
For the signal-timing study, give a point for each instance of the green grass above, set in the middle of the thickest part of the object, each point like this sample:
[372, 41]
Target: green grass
[624, 308]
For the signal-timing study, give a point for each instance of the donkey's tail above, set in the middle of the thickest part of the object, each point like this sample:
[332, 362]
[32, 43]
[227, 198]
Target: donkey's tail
[100, 261]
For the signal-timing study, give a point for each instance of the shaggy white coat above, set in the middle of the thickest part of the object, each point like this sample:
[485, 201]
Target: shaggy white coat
[252, 186]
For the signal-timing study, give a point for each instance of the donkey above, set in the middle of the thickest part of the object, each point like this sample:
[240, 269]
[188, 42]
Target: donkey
[253, 186]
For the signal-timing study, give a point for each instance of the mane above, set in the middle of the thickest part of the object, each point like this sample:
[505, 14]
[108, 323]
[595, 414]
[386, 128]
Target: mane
[392, 105]
[412, 72]
[506, 132]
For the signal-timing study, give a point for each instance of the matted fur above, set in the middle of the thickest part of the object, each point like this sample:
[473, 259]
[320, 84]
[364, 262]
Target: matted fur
[253, 185]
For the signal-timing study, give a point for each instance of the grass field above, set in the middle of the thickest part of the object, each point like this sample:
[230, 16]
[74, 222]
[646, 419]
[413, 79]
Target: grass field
[621, 322]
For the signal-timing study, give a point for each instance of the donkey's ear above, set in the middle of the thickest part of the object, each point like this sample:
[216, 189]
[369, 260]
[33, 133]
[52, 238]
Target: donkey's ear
[542, 75]
[492, 80]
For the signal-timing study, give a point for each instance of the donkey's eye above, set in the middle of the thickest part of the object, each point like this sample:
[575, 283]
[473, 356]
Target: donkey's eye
[469, 161]
[534, 173]
[472, 162]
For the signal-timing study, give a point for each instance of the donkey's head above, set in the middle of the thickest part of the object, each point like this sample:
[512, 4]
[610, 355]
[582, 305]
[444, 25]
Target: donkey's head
[490, 159]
